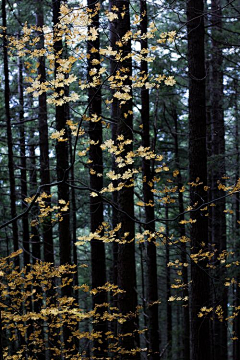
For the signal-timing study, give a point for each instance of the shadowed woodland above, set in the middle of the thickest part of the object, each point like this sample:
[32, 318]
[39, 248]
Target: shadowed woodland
[120, 213]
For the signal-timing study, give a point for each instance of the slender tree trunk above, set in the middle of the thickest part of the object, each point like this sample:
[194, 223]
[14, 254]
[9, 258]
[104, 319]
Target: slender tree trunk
[1, 342]
[35, 239]
[34, 235]
[152, 286]
[114, 114]
[73, 205]
[126, 252]
[43, 143]
[143, 282]
[23, 165]
[217, 164]
[73, 215]
[200, 334]
[61, 154]
[9, 135]
[236, 324]
[96, 183]
[62, 174]
[184, 260]
[168, 293]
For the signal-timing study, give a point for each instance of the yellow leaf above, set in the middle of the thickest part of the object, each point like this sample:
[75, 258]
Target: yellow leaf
[93, 194]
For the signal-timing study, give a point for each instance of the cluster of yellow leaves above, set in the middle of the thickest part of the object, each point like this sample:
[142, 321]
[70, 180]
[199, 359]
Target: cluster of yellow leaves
[31, 298]
[75, 129]
[230, 282]
[141, 203]
[58, 135]
[148, 236]
[177, 263]
[57, 96]
[119, 148]
[46, 209]
[167, 36]
[108, 287]
[190, 221]
[105, 235]
[124, 92]
[202, 255]
[204, 311]
[178, 298]
[111, 235]
[75, 25]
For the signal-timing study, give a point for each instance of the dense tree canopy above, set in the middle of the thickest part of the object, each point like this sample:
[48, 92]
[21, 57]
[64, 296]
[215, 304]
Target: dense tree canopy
[119, 180]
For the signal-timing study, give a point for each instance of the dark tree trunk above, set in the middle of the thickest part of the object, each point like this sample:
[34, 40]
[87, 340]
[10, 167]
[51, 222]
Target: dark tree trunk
[236, 323]
[35, 236]
[23, 165]
[200, 334]
[62, 173]
[126, 252]
[96, 183]
[1, 333]
[35, 239]
[73, 211]
[184, 260]
[152, 289]
[9, 135]
[62, 154]
[114, 114]
[43, 144]
[217, 165]
[168, 292]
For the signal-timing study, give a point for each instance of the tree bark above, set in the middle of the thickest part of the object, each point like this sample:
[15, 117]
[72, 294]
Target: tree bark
[1, 342]
[217, 165]
[182, 232]
[96, 183]
[236, 323]
[200, 334]
[43, 144]
[35, 238]
[126, 252]
[62, 174]
[114, 116]
[9, 135]
[168, 292]
[23, 165]
[61, 153]
[73, 212]
[152, 286]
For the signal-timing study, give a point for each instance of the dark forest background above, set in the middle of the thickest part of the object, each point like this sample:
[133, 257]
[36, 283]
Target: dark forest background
[119, 180]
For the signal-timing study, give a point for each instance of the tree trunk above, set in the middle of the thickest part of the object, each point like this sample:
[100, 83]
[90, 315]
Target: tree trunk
[1, 333]
[126, 252]
[168, 292]
[23, 165]
[236, 323]
[61, 154]
[73, 210]
[152, 286]
[62, 174]
[96, 183]
[35, 238]
[43, 144]
[9, 136]
[182, 232]
[217, 165]
[114, 114]
[200, 334]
